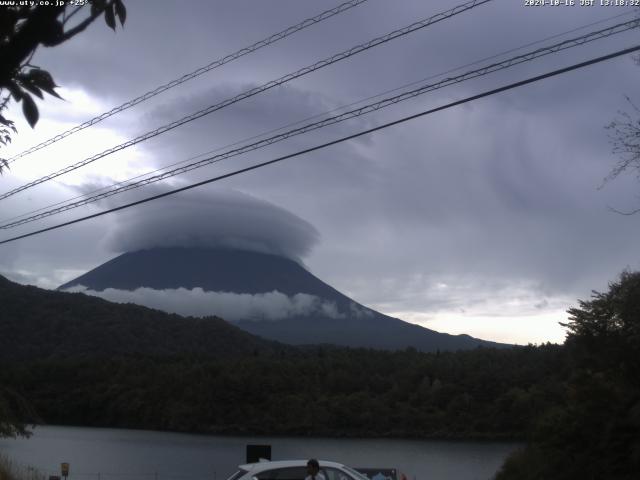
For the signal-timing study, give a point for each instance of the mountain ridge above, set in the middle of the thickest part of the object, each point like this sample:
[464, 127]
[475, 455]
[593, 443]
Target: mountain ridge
[244, 272]
[39, 324]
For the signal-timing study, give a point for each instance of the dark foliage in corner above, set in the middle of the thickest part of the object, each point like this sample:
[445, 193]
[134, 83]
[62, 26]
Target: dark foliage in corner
[24, 28]
[595, 431]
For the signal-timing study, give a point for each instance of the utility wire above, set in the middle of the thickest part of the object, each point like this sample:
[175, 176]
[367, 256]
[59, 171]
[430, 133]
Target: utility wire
[298, 122]
[526, 57]
[196, 73]
[254, 91]
[340, 140]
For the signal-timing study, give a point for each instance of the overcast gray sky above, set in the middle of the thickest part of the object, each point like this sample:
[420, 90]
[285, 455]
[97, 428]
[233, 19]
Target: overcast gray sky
[484, 219]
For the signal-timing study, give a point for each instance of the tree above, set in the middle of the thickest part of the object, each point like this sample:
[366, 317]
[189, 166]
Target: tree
[23, 28]
[606, 329]
[595, 431]
[616, 312]
[15, 414]
[625, 139]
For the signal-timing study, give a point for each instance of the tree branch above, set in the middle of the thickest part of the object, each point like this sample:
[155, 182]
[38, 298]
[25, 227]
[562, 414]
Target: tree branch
[84, 24]
[620, 212]
[68, 17]
[31, 34]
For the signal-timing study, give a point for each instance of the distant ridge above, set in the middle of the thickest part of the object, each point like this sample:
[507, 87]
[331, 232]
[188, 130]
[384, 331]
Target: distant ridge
[239, 271]
[38, 324]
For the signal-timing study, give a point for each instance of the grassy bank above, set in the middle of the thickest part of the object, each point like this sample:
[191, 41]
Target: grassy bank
[10, 470]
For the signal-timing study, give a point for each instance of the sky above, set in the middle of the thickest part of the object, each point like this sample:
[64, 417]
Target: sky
[489, 218]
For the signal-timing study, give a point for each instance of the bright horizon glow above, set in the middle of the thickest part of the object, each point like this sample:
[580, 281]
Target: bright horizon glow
[520, 330]
[57, 116]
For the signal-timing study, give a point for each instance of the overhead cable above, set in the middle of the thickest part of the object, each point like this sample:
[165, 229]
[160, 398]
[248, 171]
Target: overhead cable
[319, 115]
[254, 91]
[334, 142]
[196, 73]
[372, 107]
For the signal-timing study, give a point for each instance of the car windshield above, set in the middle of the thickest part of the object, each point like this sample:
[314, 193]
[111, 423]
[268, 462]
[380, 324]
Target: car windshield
[237, 475]
[355, 473]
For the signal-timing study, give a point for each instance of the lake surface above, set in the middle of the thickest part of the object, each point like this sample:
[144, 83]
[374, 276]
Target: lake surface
[113, 454]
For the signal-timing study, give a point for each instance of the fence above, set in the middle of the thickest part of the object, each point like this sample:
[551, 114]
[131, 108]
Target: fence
[12, 470]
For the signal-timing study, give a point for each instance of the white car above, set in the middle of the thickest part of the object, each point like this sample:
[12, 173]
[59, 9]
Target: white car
[294, 470]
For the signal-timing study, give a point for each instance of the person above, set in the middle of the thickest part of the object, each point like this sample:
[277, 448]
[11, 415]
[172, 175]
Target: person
[313, 470]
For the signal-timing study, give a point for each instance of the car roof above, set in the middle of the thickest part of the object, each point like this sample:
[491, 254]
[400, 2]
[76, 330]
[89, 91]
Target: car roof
[267, 465]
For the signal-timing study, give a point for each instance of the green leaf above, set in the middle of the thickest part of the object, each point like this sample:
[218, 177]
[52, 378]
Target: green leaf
[6, 121]
[51, 91]
[51, 33]
[30, 110]
[42, 78]
[121, 11]
[32, 88]
[8, 20]
[110, 17]
[16, 93]
[97, 6]
[44, 81]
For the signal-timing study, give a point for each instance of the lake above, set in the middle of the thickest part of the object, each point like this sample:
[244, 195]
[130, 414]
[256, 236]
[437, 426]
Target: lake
[114, 454]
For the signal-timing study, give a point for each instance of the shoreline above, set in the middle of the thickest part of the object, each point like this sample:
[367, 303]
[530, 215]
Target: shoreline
[312, 435]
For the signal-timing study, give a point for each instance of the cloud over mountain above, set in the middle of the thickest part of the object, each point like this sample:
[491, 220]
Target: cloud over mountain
[215, 218]
[269, 306]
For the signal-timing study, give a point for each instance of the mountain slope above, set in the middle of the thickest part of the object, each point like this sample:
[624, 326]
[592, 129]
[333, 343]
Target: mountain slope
[220, 270]
[44, 324]
[216, 270]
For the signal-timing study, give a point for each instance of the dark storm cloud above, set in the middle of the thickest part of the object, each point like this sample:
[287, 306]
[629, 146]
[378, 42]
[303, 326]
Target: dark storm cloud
[517, 207]
[478, 207]
[285, 103]
[213, 218]
[271, 113]
[495, 205]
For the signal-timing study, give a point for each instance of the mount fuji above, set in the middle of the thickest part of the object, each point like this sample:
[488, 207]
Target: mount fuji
[265, 294]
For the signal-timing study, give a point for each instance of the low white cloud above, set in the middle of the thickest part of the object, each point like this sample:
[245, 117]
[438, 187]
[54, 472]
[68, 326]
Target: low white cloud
[270, 306]
[214, 218]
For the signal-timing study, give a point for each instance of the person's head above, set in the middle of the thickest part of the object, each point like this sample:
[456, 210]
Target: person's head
[313, 467]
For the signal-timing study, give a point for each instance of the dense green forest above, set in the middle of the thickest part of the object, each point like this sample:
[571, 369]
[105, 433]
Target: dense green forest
[594, 431]
[577, 406]
[37, 324]
[484, 393]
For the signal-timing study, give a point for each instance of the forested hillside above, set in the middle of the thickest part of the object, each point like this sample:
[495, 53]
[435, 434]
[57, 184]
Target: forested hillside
[43, 324]
[576, 405]
[83, 361]
[486, 393]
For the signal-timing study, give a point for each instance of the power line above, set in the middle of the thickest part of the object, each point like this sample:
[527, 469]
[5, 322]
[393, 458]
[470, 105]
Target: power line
[254, 91]
[526, 57]
[345, 116]
[196, 73]
[318, 115]
[340, 140]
